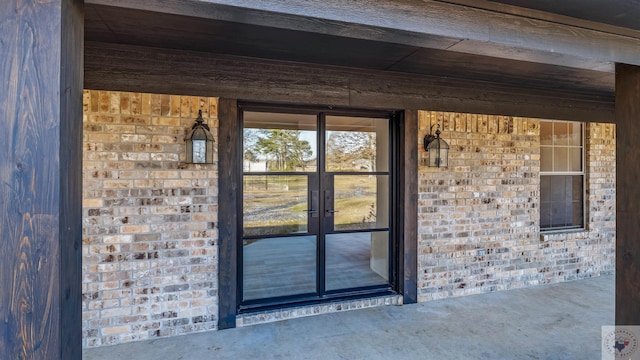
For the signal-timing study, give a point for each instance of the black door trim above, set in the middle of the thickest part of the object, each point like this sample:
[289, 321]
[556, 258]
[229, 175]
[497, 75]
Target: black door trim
[404, 132]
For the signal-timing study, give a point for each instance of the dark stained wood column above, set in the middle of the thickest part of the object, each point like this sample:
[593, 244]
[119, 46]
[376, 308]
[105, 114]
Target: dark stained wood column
[228, 152]
[628, 195]
[409, 184]
[41, 67]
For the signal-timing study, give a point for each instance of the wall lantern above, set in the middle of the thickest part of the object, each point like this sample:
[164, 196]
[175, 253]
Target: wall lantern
[437, 148]
[199, 143]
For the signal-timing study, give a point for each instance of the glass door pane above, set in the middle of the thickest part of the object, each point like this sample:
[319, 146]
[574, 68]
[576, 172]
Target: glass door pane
[280, 266]
[357, 260]
[356, 198]
[280, 205]
[360, 202]
[275, 204]
[355, 144]
[276, 142]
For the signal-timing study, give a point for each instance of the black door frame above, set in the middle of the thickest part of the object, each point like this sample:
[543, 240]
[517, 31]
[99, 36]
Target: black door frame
[321, 179]
[404, 137]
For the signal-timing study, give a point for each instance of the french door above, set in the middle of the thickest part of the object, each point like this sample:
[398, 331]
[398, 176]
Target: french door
[316, 205]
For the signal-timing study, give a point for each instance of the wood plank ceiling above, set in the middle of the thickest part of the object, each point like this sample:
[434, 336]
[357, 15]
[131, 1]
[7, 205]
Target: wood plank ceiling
[106, 24]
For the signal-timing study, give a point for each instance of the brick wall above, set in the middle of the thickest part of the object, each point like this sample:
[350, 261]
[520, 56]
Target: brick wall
[149, 219]
[478, 220]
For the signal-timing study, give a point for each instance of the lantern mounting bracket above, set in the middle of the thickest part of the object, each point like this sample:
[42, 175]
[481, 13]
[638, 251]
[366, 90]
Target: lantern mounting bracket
[437, 148]
[430, 137]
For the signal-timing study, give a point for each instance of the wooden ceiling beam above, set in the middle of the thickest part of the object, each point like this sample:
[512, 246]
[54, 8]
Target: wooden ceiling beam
[551, 14]
[423, 23]
[143, 69]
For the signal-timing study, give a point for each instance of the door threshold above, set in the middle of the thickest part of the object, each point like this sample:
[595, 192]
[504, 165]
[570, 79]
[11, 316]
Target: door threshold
[272, 315]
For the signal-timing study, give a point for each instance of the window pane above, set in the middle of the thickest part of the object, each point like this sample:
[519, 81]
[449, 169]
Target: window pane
[575, 131]
[575, 200]
[279, 142]
[564, 209]
[546, 133]
[568, 190]
[357, 144]
[545, 215]
[557, 188]
[546, 159]
[357, 259]
[558, 214]
[274, 204]
[575, 159]
[361, 202]
[577, 210]
[545, 188]
[577, 185]
[560, 159]
[578, 214]
[560, 201]
[560, 133]
[278, 267]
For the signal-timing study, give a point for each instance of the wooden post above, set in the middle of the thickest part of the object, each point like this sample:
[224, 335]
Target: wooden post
[228, 153]
[41, 67]
[628, 195]
[408, 175]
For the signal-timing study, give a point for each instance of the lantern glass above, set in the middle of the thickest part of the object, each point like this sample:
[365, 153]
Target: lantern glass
[438, 153]
[199, 151]
[199, 143]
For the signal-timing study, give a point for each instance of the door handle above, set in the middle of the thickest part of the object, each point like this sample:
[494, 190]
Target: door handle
[314, 204]
[328, 204]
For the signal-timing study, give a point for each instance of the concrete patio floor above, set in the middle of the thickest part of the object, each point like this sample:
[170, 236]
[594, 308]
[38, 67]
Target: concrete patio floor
[559, 321]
